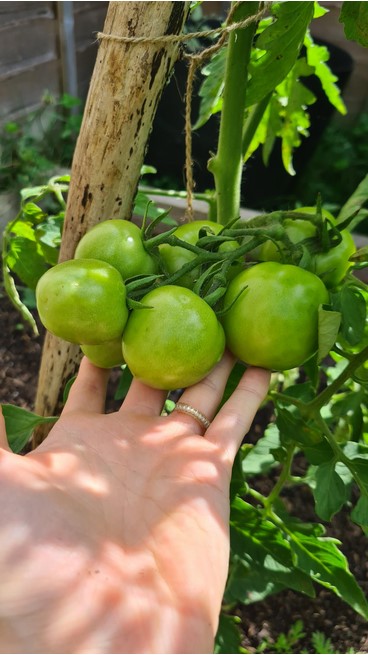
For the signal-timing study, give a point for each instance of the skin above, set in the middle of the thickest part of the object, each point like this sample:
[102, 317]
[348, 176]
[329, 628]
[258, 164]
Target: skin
[114, 532]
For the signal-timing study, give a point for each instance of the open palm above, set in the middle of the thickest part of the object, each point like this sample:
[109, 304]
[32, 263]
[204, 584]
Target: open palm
[114, 532]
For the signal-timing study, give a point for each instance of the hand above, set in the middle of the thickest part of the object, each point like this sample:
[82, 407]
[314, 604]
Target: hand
[114, 531]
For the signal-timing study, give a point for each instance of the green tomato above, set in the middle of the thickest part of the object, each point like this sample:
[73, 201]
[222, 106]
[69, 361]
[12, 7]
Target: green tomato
[332, 266]
[119, 243]
[174, 257]
[272, 321]
[82, 301]
[297, 231]
[106, 355]
[175, 341]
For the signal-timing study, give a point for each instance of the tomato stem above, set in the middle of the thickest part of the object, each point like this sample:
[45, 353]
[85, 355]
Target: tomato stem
[227, 164]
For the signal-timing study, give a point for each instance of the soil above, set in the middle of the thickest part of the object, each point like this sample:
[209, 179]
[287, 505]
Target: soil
[20, 353]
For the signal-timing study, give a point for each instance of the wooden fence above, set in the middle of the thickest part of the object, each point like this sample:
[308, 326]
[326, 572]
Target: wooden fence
[45, 46]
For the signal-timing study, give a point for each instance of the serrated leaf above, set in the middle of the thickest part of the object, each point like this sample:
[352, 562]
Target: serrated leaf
[281, 43]
[20, 424]
[211, 88]
[251, 582]
[259, 459]
[24, 259]
[317, 56]
[48, 236]
[294, 429]
[354, 204]
[23, 229]
[33, 212]
[256, 536]
[318, 453]
[328, 328]
[329, 491]
[32, 192]
[354, 15]
[320, 558]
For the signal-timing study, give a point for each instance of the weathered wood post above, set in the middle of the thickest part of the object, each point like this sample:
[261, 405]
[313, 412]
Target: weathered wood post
[125, 89]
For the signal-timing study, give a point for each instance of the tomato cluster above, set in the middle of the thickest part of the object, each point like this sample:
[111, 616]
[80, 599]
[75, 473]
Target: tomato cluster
[171, 338]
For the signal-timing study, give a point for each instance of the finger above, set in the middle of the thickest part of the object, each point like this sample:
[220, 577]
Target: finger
[206, 395]
[142, 399]
[235, 417]
[3, 438]
[88, 392]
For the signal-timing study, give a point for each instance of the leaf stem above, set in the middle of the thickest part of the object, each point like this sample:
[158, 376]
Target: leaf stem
[283, 477]
[331, 389]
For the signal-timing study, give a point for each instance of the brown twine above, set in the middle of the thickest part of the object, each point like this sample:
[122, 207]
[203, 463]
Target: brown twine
[194, 62]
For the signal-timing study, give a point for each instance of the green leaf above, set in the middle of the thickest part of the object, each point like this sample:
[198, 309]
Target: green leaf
[353, 311]
[354, 15]
[33, 212]
[48, 236]
[354, 204]
[329, 491]
[317, 56]
[23, 229]
[280, 44]
[237, 483]
[148, 170]
[320, 558]
[20, 424]
[318, 452]
[255, 536]
[228, 638]
[33, 192]
[211, 89]
[12, 292]
[263, 558]
[259, 459]
[24, 259]
[328, 329]
[143, 206]
[294, 429]
[125, 380]
[295, 119]
[250, 582]
[360, 513]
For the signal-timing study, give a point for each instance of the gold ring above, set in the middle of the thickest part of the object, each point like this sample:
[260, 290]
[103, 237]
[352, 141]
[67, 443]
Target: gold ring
[195, 413]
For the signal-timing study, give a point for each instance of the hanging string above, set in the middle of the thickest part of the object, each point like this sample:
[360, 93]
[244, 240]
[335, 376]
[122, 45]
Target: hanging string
[195, 61]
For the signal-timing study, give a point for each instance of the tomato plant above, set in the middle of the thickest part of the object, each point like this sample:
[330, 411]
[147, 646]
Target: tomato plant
[272, 315]
[173, 340]
[83, 301]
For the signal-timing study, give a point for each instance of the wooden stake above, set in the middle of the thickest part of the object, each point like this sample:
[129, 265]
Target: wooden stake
[125, 89]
